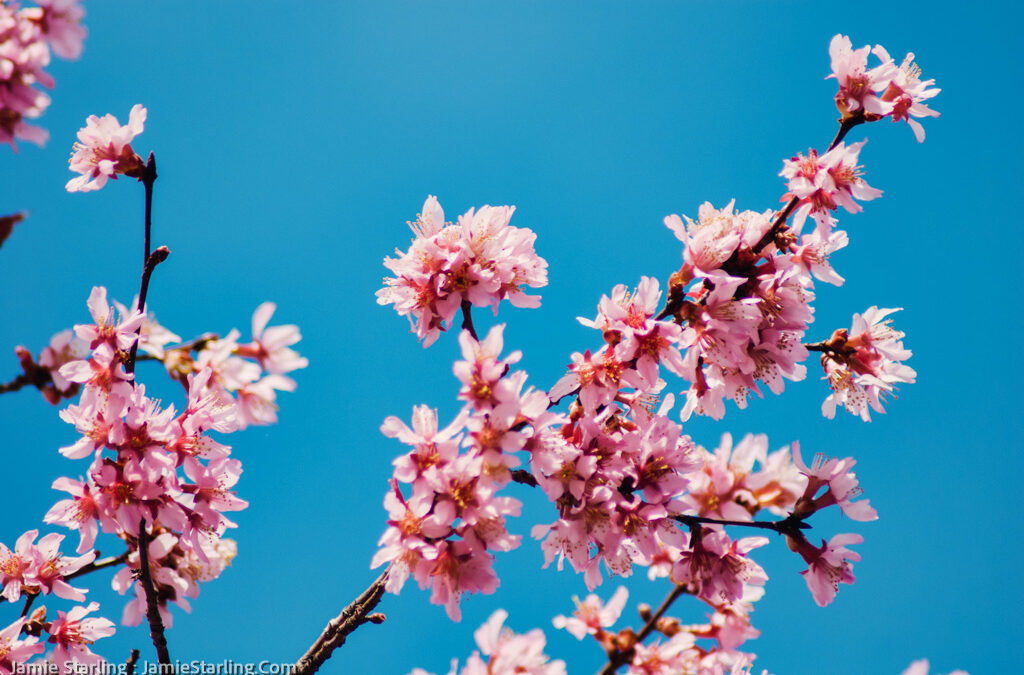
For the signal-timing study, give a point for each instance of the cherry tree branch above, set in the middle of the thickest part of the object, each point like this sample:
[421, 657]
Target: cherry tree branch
[129, 665]
[467, 319]
[621, 657]
[355, 615]
[156, 623]
[789, 525]
[155, 258]
[99, 564]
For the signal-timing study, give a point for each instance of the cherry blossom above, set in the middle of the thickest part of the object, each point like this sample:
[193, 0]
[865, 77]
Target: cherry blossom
[592, 615]
[16, 650]
[73, 634]
[503, 652]
[828, 566]
[864, 364]
[104, 150]
[481, 260]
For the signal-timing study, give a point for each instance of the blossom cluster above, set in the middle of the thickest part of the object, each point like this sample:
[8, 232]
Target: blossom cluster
[27, 37]
[443, 532]
[137, 447]
[40, 569]
[72, 633]
[479, 261]
[886, 90]
[709, 648]
[503, 652]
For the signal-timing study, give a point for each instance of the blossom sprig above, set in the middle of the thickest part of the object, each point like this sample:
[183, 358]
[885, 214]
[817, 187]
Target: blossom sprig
[886, 90]
[503, 652]
[864, 364]
[443, 532]
[27, 36]
[480, 260]
[39, 568]
[137, 446]
[104, 150]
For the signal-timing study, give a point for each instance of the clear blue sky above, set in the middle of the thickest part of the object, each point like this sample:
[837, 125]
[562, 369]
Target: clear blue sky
[295, 139]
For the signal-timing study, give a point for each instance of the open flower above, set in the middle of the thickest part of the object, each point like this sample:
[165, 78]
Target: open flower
[103, 150]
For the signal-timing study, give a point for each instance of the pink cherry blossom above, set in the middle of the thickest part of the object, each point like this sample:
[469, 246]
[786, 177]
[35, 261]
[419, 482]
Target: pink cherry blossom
[60, 21]
[482, 260]
[864, 364]
[104, 150]
[906, 92]
[78, 513]
[829, 566]
[592, 615]
[15, 650]
[72, 634]
[859, 86]
[272, 346]
[824, 183]
[503, 652]
[842, 486]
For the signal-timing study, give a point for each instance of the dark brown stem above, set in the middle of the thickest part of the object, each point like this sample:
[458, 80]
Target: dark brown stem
[618, 658]
[99, 564]
[148, 177]
[156, 623]
[29, 599]
[467, 318]
[338, 628]
[524, 477]
[155, 258]
[23, 380]
[787, 525]
[129, 665]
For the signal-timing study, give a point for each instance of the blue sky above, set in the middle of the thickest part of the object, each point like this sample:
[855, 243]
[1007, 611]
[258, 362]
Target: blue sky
[295, 140]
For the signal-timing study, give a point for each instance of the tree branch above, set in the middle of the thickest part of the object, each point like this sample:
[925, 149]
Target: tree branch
[788, 525]
[156, 623]
[467, 319]
[619, 658]
[99, 564]
[338, 628]
[129, 665]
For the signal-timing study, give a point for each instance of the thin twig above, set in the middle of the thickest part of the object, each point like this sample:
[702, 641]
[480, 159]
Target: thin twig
[338, 628]
[129, 665]
[155, 258]
[156, 623]
[620, 658]
[99, 564]
[467, 318]
[787, 525]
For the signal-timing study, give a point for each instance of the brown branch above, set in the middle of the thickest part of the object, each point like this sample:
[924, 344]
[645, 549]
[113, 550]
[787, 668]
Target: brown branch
[7, 224]
[788, 525]
[98, 565]
[156, 623]
[155, 258]
[467, 319]
[619, 658]
[129, 665]
[524, 477]
[338, 628]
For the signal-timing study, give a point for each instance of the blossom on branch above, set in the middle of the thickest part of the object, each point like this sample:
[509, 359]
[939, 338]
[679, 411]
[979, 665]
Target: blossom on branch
[481, 260]
[104, 150]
